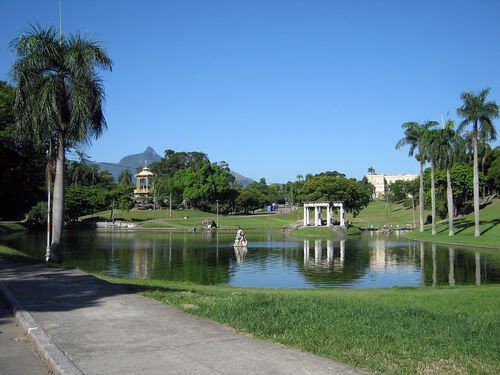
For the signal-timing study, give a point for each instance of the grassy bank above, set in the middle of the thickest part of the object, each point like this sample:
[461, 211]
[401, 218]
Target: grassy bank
[195, 218]
[464, 229]
[395, 331]
[12, 228]
[323, 231]
[375, 214]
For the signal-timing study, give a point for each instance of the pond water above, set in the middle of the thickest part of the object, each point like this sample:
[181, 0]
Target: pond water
[272, 260]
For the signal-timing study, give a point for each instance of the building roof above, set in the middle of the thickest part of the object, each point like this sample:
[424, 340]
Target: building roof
[144, 173]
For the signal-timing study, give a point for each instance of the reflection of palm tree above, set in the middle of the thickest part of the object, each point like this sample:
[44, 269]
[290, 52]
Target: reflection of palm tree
[58, 94]
[415, 137]
[480, 114]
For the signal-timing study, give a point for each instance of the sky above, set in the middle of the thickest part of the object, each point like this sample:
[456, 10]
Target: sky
[276, 88]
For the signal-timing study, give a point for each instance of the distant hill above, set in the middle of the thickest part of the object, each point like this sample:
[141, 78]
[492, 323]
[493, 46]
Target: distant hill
[131, 162]
[242, 180]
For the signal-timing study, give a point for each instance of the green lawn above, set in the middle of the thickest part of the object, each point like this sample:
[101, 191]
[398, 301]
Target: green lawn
[12, 228]
[195, 218]
[375, 214]
[464, 229]
[394, 331]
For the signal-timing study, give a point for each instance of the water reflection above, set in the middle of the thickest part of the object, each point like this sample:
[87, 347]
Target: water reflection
[271, 260]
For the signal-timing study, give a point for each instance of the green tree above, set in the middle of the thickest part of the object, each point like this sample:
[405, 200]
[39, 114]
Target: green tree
[322, 188]
[371, 170]
[480, 114]
[22, 164]
[125, 177]
[58, 94]
[448, 146]
[416, 138]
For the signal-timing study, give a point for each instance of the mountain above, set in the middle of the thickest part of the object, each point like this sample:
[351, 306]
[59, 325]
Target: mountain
[131, 162]
[242, 180]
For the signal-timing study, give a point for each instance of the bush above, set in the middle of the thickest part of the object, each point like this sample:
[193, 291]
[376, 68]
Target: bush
[38, 214]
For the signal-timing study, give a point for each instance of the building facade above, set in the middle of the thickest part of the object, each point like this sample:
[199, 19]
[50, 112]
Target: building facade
[382, 181]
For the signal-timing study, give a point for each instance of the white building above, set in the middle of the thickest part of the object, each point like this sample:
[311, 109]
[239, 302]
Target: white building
[381, 181]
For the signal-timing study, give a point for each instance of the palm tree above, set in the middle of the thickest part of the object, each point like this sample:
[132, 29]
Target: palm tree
[58, 94]
[433, 155]
[448, 145]
[300, 177]
[480, 114]
[416, 138]
[125, 177]
[371, 170]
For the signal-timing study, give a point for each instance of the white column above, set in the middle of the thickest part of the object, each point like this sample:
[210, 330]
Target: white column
[305, 215]
[342, 252]
[315, 216]
[342, 221]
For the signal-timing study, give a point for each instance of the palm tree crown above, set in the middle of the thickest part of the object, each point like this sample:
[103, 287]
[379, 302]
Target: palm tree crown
[58, 96]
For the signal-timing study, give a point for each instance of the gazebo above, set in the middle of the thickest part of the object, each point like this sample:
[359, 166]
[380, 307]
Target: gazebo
[143, 182]
[329, 205]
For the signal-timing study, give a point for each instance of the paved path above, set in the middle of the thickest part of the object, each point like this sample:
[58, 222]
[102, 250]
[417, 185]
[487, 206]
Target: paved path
[17, 356]
[87, 325]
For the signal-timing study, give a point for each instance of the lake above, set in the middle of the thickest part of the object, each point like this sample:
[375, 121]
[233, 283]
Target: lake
[272, 260]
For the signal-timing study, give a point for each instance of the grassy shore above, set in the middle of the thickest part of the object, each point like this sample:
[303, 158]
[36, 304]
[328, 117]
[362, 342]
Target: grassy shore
[393, 331]
[375, 214]
[12, 228]
[464, 229]
[441, 330]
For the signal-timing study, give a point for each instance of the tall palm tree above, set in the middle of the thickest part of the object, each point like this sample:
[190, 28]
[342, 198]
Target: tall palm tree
[371, 170]
[433, 157]
[416, 138]
[476, 111]
[58, 93]
[449, 146]
[125, 177]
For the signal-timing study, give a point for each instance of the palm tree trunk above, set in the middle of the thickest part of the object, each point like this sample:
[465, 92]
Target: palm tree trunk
[421, 197]
[451, 211]
[58, 206]
[413, 207]
[433, 199]
[477, 232]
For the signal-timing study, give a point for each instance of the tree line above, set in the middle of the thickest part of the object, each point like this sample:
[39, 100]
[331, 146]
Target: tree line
[451, 152]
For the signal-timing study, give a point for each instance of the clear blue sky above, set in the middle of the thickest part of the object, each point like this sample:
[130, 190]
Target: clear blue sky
[277, 88]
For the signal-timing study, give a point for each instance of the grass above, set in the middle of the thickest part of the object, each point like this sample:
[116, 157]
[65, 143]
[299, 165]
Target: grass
[195, 218]
[315, 231]
[155, 224]
[375, 214]
[394, 331]
[464, 229]
[439, 330]
[12, 228]
[323, 231]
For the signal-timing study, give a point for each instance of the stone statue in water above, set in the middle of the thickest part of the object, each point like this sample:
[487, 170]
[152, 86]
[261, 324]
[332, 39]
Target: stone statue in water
[240, 239]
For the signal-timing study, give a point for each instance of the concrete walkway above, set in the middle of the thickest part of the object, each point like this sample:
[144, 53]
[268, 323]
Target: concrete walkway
[84, 325]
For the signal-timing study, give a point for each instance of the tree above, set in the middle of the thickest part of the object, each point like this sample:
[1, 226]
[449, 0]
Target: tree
[371, 170]
[60, 95]
[416, 138]
[125, 177]
[299, 177]
[476, 111]
[433, 156]
[447, 147]
[354, 194]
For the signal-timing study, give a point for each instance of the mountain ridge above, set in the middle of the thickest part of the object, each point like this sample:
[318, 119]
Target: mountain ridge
[131, 162]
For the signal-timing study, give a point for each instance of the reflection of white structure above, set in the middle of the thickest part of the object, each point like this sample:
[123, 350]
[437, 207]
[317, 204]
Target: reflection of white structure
[318, 206]
[329, 261]
[380, 181]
